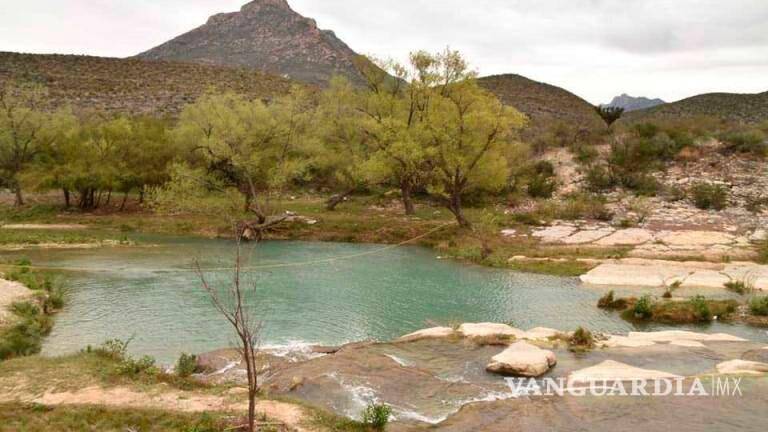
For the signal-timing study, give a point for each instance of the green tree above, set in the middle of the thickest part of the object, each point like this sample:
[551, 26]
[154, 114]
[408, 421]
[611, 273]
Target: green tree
[471, 134]
[26, 131]
[609, 114]
[247, 146]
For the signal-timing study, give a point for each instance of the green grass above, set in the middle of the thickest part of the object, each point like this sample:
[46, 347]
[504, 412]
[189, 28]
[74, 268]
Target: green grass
[37, 237]
[33, 418]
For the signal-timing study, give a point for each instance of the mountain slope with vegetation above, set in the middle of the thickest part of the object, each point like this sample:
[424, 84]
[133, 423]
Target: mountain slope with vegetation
[267, 35]
[132, 86]
[747, 108]
[543, 103]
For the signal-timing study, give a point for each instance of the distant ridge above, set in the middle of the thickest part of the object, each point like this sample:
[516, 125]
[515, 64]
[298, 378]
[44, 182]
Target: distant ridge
[630, 103]
[543, 103]
[746, 108]
[132, 86]
[266, 35]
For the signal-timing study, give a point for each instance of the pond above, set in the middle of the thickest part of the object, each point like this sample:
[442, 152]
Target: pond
[329, 293]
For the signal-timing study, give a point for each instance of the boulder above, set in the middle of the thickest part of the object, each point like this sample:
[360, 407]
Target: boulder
[484, 330]
[624, 342]
[430, 333]
[742, 367]
[611, 370]
[522, 359]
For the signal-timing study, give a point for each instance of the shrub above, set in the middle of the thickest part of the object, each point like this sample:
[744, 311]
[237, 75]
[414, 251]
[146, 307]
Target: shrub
[376, 415]
[581, 339]
[542, 182]
[599, 179]
[709, 196]
[186, 365]
[609, 302]
[745, 141]
[759, 306]
[643, 308]
[701, 309]
[739, 286]
[25, 336]
[578, 206]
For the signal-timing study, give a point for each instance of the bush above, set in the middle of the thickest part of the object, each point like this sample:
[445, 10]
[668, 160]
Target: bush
[643, 308]
[25, 336]
[599, 179]
[745, 141]
[542, 182]
[609, 302]
[376, 415]
[186, 365]
[701, 309]
[759, 306]
[709, 196]
[581, 339]
[578, 206]
[739, 286]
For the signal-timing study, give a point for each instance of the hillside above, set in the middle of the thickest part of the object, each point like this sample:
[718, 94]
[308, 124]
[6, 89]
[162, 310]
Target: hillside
[747, 108]
[132, 86]
[543, 103]
[267, 35]
[630, 103]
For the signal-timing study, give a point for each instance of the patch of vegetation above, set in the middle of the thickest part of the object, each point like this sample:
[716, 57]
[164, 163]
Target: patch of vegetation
[37, 237]
[581, 340]
[759, 306]
[40, 418]
[740, 286]
[186, 365]
[643, 308]
[25, 336]
[762, 252]
[543, 181]
[119, 365]
[708, 196]
[752, 141]
[608, 301]
[376, 416]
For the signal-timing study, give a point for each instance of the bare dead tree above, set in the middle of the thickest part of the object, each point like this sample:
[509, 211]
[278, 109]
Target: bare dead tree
[233, 303]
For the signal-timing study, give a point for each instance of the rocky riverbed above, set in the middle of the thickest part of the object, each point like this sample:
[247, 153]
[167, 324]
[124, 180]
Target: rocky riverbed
[454, 379]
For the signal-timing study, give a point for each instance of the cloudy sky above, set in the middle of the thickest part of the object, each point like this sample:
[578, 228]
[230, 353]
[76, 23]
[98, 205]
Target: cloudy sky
[596, 48]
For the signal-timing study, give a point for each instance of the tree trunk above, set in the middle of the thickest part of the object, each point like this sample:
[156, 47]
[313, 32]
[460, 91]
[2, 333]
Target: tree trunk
[454, 205]
[337, 199]
[19, 196]
[141, 195]
[406, 191]
[67, 202]
[122, 204]
[109, 198]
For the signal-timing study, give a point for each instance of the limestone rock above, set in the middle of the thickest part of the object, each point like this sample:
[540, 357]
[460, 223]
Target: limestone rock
[624, 342]
[742, 367]
[541, 333]
[681, 335]
[522, 359]
[611, 370]
[555, 233]
[695, 238]
[430, 333]
[588, 236]
[479, 330]
[626, 237]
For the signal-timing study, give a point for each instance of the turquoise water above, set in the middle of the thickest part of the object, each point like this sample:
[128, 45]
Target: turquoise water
[150, 294]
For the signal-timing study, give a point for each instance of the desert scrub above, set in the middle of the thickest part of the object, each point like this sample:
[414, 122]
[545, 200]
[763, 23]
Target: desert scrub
[186, 365]
[759, 306]
[752, 141]
[16, 416]
[708, 196]
[376, 416]
[24, 337]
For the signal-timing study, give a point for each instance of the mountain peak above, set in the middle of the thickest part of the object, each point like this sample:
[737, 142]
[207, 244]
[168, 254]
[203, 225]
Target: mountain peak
[266, 35]
[630, 103]
[256, 5]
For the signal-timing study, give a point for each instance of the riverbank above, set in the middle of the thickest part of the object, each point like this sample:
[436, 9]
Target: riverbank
[499, 238]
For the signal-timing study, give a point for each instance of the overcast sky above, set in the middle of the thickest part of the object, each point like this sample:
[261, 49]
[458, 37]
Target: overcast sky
[595, 48]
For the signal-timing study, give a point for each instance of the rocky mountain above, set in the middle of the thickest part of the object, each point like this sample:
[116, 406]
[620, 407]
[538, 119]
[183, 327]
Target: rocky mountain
[132, 86]
[267, 35]
[543, 103]
[746, 108]
[630, 103]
